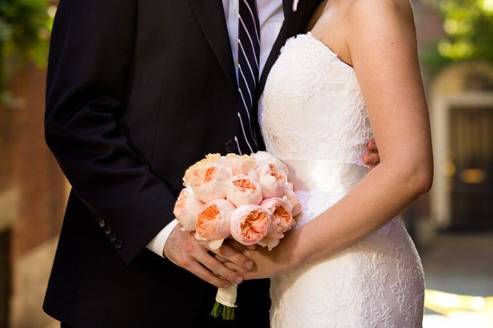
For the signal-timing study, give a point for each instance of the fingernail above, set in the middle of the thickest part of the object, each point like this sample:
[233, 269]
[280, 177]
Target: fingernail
[239, 280]
[249, 265]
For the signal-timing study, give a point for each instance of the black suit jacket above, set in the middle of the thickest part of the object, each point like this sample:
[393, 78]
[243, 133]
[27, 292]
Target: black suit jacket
[137, 91]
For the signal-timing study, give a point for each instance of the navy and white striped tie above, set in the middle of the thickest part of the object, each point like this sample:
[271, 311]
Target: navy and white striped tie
[248, 74]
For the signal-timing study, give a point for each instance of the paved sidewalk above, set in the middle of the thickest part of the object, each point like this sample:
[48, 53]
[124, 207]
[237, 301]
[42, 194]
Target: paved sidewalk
[460, 264]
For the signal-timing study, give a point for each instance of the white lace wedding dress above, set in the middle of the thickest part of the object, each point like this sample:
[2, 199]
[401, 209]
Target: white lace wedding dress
[314, 118]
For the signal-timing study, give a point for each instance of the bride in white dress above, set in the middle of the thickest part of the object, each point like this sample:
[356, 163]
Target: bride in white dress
[350, 262]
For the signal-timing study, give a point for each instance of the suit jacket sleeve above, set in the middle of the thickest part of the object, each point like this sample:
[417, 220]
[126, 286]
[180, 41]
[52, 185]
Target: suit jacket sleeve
[89, 72]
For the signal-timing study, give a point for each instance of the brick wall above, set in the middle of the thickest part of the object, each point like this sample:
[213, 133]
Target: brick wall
[34, 196]
[35, 174]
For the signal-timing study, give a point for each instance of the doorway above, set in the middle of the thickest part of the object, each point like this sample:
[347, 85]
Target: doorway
[471, 153]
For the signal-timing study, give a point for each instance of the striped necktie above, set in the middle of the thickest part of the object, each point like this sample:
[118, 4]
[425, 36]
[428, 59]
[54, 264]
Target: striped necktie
[248, 74]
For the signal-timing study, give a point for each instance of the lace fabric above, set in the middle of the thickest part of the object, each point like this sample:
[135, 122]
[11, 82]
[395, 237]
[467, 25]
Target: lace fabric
[312, 105]
[313, 110]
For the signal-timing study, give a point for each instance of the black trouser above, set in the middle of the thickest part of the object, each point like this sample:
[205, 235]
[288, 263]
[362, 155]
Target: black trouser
[209, 322]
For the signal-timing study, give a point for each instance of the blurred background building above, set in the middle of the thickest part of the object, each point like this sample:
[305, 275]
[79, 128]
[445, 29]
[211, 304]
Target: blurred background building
[452, 226]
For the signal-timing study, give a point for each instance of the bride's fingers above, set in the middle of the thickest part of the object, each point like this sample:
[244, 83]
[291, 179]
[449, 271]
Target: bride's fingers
[371, 159]
[234, 256]
[203, 243]
[218, 268]
[221, 259]
[235, 267]
[372, 146]
[232, 266]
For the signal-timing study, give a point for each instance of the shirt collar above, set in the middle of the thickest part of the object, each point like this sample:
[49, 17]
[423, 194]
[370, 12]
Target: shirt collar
[295, 5]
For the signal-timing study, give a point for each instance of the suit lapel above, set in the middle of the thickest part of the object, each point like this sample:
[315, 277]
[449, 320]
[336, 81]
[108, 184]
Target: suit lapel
[210, 15]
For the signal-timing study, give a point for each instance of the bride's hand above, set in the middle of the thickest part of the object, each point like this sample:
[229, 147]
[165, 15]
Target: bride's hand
[270, 264]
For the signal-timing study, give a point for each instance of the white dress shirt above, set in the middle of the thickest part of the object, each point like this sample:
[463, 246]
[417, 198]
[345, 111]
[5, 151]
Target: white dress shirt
[271, 18]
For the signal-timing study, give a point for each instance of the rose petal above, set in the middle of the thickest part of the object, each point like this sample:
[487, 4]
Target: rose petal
[243, 190]
[193, 175]
[208, 179]
[282, 217]
[263, 158]
[213, 222]
[187, 207]
[240, 164]
[293, 199]
[272, 180]
[250, 224]
[215, 244]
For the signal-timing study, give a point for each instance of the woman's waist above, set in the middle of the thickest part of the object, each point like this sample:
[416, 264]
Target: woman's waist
[324, 175]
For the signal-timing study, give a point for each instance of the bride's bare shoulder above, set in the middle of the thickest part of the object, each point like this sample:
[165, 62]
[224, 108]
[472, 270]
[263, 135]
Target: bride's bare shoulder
[380, 11]
[380, 5]
[380, 22]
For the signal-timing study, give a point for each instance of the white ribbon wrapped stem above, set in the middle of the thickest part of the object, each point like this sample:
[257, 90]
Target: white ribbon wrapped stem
[227, 296]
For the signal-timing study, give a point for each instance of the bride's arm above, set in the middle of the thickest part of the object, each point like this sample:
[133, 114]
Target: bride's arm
[382, 45]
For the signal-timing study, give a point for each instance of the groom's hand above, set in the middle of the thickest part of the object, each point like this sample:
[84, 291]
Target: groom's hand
[371, 156]
[184, 250]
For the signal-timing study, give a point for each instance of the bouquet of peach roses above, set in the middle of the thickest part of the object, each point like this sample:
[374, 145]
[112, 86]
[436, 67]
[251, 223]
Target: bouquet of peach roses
[248, 198]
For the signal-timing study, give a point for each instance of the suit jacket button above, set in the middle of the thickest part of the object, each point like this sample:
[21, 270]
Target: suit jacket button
[118, 244]
[112, 238]
[229, 146]
[107, 230]
[101, 222]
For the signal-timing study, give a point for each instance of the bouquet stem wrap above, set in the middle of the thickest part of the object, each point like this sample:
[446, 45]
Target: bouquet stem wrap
[225, 303]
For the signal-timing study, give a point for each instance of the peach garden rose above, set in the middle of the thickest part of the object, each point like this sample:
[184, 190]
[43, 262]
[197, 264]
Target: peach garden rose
[213, 222]
[243, 190]
[208, 178]
[272, 180]
[250, 224]
[281, 221]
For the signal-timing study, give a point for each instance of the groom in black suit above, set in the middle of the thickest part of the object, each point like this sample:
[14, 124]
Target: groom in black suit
[137, 91]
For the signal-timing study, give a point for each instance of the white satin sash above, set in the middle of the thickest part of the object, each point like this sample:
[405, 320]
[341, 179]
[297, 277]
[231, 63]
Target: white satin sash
[324, 175]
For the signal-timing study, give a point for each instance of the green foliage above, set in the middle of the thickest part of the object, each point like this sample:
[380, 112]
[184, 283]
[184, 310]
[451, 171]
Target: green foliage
[24, 32]
[468, 26]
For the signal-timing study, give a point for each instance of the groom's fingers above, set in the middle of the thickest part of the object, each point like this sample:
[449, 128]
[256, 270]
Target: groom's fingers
[217, 267]
[206, 275]
[235, 267]
[372, 146]
[221, 259]
[371, 159]
[371, 156]
[232, 266]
